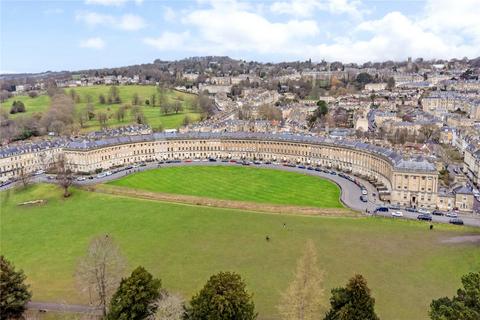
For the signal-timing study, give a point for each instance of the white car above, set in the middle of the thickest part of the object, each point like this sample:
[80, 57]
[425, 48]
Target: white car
[397, 214]
[39, 172]
[81, 178]
[101, 175]
[451, 214]
[108, 173]
[364, 191]
[423, 211]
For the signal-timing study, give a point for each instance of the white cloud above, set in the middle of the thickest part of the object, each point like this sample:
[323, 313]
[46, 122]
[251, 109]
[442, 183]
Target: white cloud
[131, 22]
[127, 22]
[308, 8]
[168, 40]
[93, 43]
[440, 30]
[234, 28]
[169, 15]
[116, 3]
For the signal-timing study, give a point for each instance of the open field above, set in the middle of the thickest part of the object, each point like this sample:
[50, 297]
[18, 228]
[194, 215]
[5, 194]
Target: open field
[152, 114]
[406, 264]
[238, 183]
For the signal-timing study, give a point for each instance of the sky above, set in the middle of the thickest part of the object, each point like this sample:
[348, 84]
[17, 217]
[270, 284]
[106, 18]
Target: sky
[37, 36]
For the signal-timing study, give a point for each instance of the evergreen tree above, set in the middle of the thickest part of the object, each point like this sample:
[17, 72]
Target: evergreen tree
[136, 297]
[14, 293]
[352, 302]
[303, 298]
[223, 297]
[465, 305]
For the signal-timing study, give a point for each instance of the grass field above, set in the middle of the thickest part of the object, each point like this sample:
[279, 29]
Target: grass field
[152, 114]
[406, 265]
[238, 183]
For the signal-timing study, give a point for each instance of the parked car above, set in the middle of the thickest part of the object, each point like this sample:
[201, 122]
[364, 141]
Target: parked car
[212, 160]
[309, 168]
[364, 191]
[188, 160]
[456, 221]
[451, 214]
[437, 213]
[363, 198]
[425, 217]
[381, 209]
[397, 214]
[410, 209]
[394, 207]
[101, 175]
[423, 211]
[81, 178]
[39, 172]
[301, 167]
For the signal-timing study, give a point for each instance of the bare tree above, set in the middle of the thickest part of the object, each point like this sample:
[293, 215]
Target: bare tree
[24, 177]
[102, 119]
[170, 307]
[177, 107]
[303, 299]
[64, 174]
[99, 272]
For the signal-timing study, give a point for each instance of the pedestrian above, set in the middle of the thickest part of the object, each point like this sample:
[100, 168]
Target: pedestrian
[284, 225]
[267, 238]
[431, 227]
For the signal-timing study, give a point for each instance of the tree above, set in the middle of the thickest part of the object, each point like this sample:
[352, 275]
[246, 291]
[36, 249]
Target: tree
[120, 113]
[136, 99]
[363, 78]
[177, 107]
[101, 99]
[136, 297]
[61, 114]
[319, 113]
[153, 100]
[390, 83]
[14, 293]
[352, 302]
[170, 307]
[99, 272]
[90, 110]
[17, 107]
[223, 297]
[303, 298]
[102, 119]
[465, 305]
[186, 121]
[24, 177]
[165, 108]
[269, 112]
[64, 174]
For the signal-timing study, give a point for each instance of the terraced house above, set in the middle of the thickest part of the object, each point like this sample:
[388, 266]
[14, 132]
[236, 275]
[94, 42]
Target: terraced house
[407, 182]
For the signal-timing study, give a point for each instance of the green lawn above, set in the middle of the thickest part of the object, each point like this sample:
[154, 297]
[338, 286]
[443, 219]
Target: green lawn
[405, 264]
[153, 114]
[32, 105]
[238, 183]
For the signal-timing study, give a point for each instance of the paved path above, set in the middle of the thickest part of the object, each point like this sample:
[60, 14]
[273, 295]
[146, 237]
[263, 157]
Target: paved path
[350, 195]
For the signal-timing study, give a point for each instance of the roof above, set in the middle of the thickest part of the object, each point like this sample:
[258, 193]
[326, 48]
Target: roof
[419, 164]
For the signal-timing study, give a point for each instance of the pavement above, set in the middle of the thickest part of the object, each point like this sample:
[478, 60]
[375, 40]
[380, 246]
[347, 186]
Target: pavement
[350, 192]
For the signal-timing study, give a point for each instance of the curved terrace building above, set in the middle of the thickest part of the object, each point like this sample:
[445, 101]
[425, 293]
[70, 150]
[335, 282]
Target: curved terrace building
[412, 182]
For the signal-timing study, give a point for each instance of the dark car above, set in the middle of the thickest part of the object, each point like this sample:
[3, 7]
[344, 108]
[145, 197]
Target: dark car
[363, 198]
[410, 209]
[268, 162]
[212, 160]
[318, 169]
[456, 221]
[381, 209]
[437, 213]
[425, 217]
[301, 167]
[309, 168]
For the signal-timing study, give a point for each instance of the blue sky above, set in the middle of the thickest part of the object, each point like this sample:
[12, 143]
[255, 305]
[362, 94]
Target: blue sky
[70, 35]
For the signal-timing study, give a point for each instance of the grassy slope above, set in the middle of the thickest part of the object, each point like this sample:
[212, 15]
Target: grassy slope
[238, 183]
[153, 115]
[405, 264]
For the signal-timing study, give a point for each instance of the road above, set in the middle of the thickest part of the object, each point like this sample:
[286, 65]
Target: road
[350, 192]
[60, 307]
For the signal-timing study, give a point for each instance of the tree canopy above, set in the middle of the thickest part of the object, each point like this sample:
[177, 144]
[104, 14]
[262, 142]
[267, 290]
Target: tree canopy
[352, 302]
[14, 293]
[223, 297]
[136, 297]
[464, 306]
